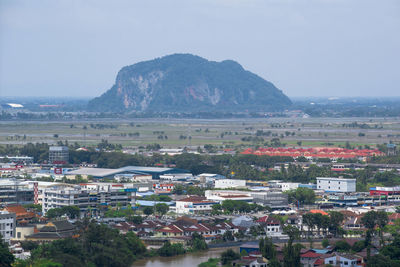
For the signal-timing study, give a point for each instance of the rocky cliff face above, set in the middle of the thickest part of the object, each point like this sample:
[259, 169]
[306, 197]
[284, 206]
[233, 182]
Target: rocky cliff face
[188, 83]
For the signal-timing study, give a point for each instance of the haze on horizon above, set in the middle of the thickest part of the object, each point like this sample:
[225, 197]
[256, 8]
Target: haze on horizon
[305, 47]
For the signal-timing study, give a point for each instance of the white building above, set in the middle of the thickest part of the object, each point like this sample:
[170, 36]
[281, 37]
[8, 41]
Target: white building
[229, 183]
[87, 197]
[288, 186]
[176, 176]
[331, 184]
[221, 195]
[194, 205]
[344, 260]
[7, 225]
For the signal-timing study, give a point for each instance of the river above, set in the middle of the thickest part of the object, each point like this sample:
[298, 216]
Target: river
[186, 260]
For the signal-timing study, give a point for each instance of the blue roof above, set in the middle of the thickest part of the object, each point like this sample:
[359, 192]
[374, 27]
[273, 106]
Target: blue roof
[321, 251]
[149, 203]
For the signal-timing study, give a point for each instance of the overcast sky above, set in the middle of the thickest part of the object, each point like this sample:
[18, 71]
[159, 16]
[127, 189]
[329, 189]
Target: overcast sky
[305, 47]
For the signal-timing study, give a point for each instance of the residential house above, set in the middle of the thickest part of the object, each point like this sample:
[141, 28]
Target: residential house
[344, 260]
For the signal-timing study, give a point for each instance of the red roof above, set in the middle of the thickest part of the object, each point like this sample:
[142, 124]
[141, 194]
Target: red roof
[319, 211]
[310, 254]
[268, 220]
[316, 152]
[170, 229]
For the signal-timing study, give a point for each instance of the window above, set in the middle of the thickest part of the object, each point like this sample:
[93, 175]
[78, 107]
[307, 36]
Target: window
[18, 234]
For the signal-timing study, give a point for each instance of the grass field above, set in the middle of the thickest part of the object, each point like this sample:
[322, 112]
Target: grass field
[197, 132]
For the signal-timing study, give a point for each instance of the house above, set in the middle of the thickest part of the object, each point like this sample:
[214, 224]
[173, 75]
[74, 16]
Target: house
[170, 230]
[251, 261]
[344, 260]
[53, 231]
[393, 217]
[271, 225]
[353, 223]
[194, 205]
[20, 212]
[309, 258]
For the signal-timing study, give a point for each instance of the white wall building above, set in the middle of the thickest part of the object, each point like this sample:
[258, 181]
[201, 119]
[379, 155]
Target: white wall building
[331, 184]
[229, 183]
[343, 260]
[86, 197]
[194, 205]
[288, 186]
[221, 195]
[7, 225]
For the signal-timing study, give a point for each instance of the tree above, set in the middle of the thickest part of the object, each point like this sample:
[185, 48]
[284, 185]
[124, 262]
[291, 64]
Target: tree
[135, 219]
[148, 210]
[6, 258]
[161, 208]
[302, 195]
[309, 221]
[168, 249]
[229, 256]
[369, 220]
[325, 243]
[342, 246]
[198, 242]
[336, 219]
[267, 248]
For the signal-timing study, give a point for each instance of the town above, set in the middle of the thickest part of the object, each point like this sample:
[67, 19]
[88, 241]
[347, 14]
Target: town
[315, 208]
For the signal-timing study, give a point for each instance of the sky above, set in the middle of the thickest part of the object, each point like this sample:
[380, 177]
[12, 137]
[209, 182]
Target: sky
[305, 47]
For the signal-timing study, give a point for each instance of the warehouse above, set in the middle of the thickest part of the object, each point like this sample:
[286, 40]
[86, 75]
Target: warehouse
[100, 173]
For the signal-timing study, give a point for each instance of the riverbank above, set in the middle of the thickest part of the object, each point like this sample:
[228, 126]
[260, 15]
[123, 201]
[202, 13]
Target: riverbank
[185, 260]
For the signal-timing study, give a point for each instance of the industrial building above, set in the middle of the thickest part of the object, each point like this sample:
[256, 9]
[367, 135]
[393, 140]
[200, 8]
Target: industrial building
[332, 184]
[99, 173]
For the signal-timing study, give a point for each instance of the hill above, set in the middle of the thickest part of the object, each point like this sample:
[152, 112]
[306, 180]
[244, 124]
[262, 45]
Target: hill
[188, 83]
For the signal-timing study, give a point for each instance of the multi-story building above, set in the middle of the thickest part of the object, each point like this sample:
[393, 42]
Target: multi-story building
[87, 200]
[58, 155]
[13, 191]
[331, 184]
[7, 225]
[194, 205]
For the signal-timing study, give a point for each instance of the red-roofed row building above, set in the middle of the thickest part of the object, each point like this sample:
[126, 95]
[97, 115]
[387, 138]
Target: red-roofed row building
[317, 152]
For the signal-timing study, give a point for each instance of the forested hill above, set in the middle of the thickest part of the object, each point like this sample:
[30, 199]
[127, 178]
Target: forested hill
[188, 83]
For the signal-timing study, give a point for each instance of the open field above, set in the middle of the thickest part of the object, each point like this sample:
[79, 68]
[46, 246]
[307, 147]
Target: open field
[175, 133]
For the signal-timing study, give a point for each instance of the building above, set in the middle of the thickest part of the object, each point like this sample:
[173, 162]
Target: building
[58, 155]
[316, 152]
[229, 183]
[87, 199]
[288, 186]
[272, 199]
[194, 205]
[344, 260]
[17, 159]
[99, 173]
[221, 195]
[53, 231]
[388, 191]
[13, 191]
[331, 184]
[271, 225]
[7, 225]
